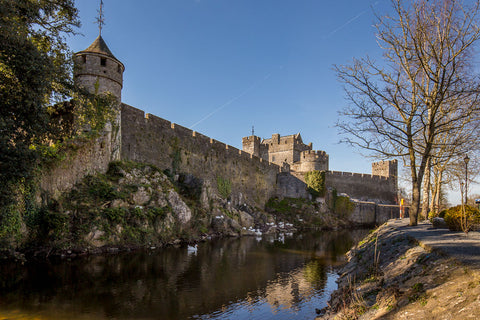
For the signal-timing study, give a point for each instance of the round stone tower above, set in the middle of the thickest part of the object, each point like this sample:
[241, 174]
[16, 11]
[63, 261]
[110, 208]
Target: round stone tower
[97, 64]
[98, 71]
[313, 160]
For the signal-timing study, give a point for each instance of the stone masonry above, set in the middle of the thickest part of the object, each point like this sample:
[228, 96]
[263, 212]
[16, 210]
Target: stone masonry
[287, 149]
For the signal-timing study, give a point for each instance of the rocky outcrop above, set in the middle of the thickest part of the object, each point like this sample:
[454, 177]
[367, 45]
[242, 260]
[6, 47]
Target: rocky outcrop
[135, 205]
[181, 210]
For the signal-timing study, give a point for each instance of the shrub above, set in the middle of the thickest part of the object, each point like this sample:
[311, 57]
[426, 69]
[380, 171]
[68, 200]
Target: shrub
[442, 213]
[315, 183]
[453, 217]
[285, 205]
[50, 224]
[433, 214]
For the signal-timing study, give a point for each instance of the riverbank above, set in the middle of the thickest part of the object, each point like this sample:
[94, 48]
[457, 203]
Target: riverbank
[402, 272]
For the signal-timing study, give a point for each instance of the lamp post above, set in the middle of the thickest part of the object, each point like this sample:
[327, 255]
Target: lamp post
[466, 159]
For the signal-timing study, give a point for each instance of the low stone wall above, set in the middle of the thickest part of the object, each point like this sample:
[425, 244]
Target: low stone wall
[364, 213]
[370, 213]
[387, 212]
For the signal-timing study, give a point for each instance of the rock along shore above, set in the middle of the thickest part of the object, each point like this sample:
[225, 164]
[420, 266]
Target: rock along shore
[402, 272]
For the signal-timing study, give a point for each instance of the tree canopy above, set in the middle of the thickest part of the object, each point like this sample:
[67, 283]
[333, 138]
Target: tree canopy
[35, 70]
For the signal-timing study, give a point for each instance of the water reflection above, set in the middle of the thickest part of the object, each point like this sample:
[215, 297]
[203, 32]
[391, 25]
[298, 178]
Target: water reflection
[244, 278]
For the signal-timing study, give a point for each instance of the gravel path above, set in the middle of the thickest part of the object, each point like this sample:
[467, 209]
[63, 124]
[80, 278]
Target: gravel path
[464, 248]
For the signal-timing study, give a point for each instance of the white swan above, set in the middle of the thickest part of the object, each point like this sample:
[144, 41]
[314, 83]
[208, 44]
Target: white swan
[192, 249]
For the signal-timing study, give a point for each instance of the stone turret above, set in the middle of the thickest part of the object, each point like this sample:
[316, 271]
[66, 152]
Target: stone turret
[97, 64]
[251, 145]
[388, 168]
[98, 71]
[313, 160]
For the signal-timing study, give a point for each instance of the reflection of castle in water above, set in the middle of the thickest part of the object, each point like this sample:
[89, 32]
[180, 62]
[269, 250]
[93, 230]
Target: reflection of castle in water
[171, 284]
[288, 290]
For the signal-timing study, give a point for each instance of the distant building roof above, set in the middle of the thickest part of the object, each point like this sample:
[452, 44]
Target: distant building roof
[99, 46]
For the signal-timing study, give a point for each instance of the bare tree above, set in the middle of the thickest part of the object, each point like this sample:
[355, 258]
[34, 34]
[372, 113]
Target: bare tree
[423, 88]
[450, 148]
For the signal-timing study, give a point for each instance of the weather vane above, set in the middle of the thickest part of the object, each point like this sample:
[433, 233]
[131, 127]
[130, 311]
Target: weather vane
[100, 18]
[253, 130]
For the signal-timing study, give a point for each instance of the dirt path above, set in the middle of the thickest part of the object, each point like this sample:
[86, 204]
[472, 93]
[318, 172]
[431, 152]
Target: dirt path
[402, 272]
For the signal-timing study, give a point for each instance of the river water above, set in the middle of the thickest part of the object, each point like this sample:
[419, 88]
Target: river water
[286, 277]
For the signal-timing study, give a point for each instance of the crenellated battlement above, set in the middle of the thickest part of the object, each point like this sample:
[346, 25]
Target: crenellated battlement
[250, 139]
[313, 155]
[357, 175]
[379, 188]
[152, 124]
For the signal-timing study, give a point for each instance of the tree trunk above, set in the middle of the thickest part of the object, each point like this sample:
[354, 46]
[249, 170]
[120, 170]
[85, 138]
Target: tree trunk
[438, 190]
[433, 198]
[426, 192]
[415, 206]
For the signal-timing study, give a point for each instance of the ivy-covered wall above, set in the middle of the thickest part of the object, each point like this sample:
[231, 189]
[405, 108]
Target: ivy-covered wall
[83, 157]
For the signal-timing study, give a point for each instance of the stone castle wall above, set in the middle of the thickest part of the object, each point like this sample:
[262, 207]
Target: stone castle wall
[370, 213]
[292, 185]
[89, 157]
[363, 186]
[150, 139]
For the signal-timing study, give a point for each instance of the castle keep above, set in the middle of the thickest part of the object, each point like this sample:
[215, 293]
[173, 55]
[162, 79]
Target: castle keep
[287, 150]
[296, 159]
[265, 168]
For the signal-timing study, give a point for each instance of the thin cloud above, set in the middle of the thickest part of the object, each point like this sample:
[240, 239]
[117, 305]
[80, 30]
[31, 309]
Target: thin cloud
[229, 102]
[348, 22]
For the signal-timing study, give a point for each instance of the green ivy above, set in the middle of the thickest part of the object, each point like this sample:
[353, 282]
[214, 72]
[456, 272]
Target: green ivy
[341, 205]
[315, 181]
[10, 225]
[224, 187]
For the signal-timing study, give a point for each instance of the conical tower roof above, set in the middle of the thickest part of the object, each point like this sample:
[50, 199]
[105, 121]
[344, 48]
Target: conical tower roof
[99, 46]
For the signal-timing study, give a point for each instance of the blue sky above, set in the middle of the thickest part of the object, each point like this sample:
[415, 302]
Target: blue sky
[221, 66]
